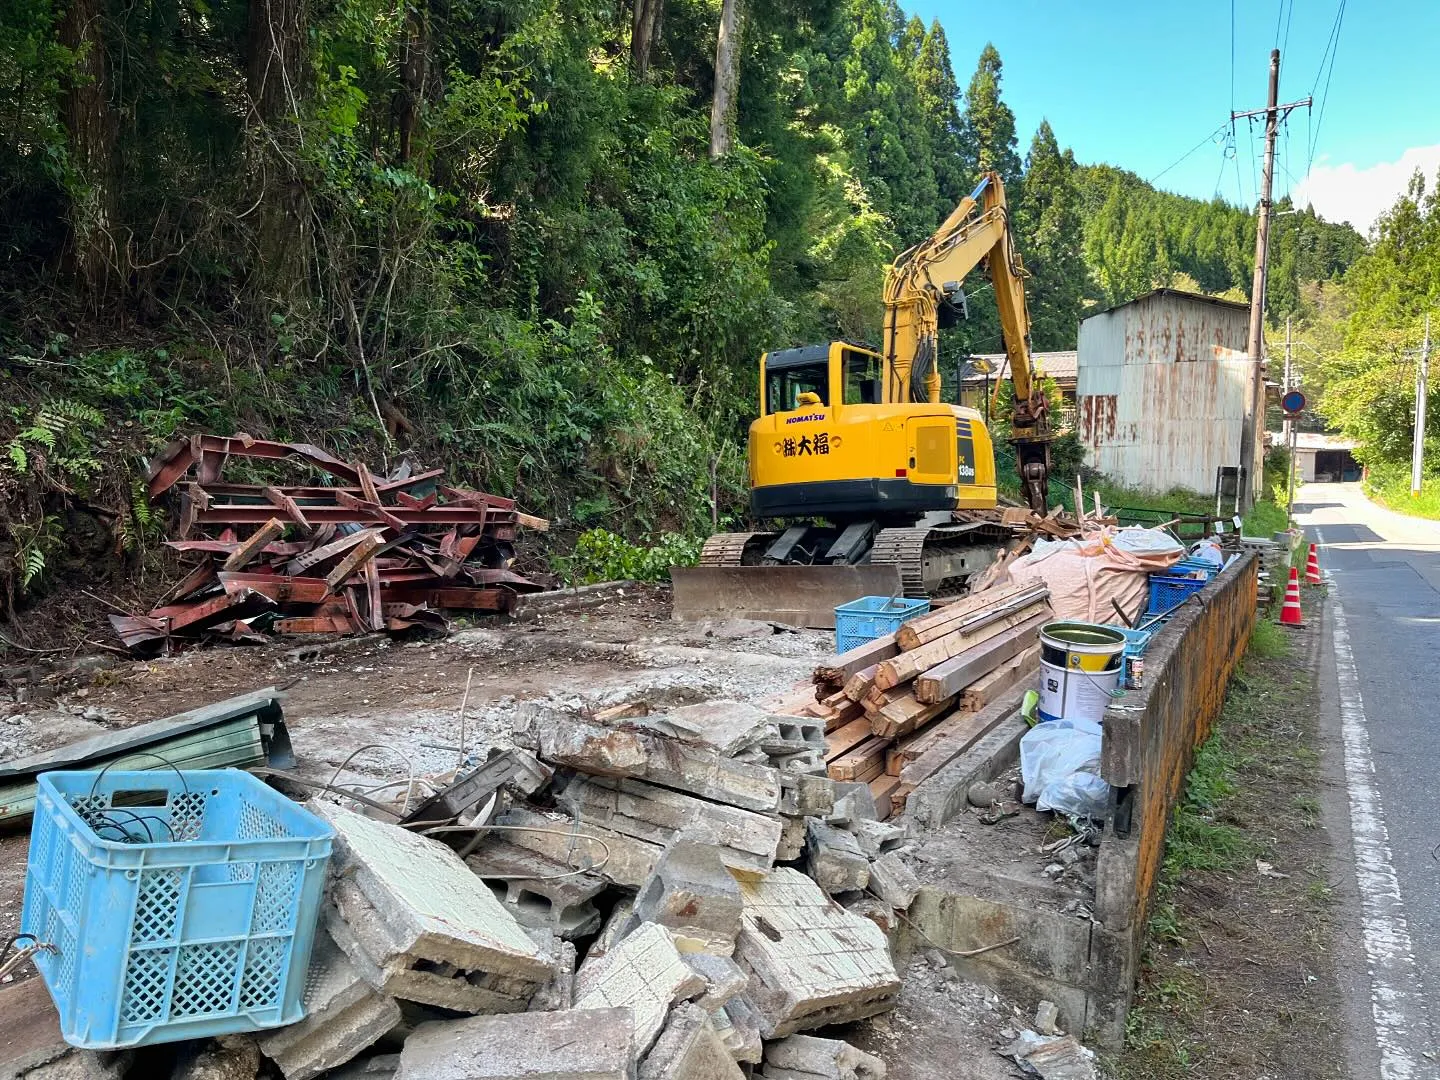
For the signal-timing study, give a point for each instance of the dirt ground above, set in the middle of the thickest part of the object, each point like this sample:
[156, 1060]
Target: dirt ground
[1240, 977]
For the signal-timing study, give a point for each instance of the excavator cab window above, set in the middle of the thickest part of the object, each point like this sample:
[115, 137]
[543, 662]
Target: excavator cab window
[783, 386]
[863, 378]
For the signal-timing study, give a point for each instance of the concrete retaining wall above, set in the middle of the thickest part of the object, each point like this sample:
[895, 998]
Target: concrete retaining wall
[1088, 966]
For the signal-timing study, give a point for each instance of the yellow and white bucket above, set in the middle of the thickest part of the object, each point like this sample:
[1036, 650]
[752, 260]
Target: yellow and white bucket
[1079, 671]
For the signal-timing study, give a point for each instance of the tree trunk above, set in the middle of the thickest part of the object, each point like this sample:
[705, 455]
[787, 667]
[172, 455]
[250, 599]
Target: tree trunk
[275, 76]
[727, 78]
[414, 60]
[91, 128]
[644, 33]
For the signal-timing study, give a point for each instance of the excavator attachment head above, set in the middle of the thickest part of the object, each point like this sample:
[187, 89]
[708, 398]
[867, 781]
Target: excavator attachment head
[797, 595]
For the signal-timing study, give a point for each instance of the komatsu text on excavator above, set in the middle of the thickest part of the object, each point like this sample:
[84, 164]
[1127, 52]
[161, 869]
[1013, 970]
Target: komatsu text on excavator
[862, 465]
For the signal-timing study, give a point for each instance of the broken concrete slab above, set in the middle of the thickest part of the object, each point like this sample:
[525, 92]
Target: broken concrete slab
[877, 836]
[1053, 1057]
[432, 907]
[792, 839]
[539, 891]
[576, 1044]
[362, 934]
[946, 793]
[619, 859]
[694, 896]
[746, 840]
[723, 978]
[597, 750]
[811, 962]
[740, 1030]
[834, 858]
[559, 992]
[876, 910]
[806, 795]
[689, 1049]
[831, 1059]
[344, 1015]
[643, 973]
[613, 930]
[853, 802]
[728, 727]
[893, 881]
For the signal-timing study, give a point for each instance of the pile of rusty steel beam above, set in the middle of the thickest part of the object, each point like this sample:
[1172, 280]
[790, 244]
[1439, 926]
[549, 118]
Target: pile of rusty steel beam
[346, 552]
[898, 708]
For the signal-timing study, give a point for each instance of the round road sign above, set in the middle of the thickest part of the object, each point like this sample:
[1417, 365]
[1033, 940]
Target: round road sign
[1293, 402]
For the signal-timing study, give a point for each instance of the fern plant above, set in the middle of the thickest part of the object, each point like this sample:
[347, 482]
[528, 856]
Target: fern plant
[34, 543]
[58, 437]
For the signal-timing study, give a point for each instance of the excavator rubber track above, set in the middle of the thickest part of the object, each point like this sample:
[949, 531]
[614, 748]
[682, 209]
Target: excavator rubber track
[937, 560]
[905, 548]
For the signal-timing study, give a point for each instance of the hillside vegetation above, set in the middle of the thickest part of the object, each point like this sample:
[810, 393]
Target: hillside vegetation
[505, 235]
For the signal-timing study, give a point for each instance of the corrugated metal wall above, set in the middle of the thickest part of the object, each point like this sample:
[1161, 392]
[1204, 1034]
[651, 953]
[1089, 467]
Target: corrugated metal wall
[1163, 390]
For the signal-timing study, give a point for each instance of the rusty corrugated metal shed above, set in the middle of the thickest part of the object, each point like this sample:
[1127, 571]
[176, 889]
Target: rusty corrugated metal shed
[1163, 389]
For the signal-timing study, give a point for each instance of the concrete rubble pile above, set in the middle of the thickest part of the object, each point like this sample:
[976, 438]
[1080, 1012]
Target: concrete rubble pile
[678, 896]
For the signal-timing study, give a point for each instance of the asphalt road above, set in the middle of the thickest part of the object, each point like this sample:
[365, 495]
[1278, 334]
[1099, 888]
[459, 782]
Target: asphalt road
[1380, 664]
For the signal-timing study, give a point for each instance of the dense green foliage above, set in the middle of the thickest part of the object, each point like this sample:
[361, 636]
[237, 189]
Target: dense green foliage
[1361, 338]
[474, 231]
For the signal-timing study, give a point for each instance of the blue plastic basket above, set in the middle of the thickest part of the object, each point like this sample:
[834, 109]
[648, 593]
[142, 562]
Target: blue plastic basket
[870, 617]
[1167, 592]
[180, 905]
[1135, 640]
[1192, 567]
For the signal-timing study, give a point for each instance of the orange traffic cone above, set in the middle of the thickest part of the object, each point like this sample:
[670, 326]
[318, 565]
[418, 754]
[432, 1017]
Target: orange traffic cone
[1290, 610]
[1312, 568]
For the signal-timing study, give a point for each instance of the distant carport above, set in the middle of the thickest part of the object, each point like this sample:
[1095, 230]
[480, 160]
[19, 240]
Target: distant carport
[1325, 458]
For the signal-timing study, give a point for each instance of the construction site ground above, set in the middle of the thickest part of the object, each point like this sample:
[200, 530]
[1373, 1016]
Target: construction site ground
[1241, 984]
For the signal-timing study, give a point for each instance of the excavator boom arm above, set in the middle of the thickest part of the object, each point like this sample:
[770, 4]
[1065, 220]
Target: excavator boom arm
[977, 230]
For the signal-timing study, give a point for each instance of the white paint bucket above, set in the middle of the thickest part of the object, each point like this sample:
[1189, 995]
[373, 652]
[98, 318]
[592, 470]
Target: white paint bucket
[1080, 667]
[1076, 695]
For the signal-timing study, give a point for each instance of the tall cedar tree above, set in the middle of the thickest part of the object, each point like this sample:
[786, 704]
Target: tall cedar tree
[939, 95]
[1047, 220]
[988, 126]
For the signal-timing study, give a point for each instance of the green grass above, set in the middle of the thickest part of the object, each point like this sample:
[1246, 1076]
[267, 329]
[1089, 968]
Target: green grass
[1389, 485]
[1268, 640]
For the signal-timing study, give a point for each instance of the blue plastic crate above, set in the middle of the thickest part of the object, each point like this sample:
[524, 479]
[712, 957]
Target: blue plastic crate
[1192, 567]
[180, 905]
[1135, 640]
[1167, 592]
[870, 617]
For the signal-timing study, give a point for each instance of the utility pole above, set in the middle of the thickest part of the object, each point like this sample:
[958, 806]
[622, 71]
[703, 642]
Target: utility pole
[1422, 375]
[1289, 429]
[1252, 429]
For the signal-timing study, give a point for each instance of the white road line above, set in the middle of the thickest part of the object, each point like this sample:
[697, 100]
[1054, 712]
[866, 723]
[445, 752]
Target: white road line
[1393, 975]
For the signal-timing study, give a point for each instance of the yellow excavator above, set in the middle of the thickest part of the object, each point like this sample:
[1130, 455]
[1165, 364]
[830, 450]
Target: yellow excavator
[861, 463]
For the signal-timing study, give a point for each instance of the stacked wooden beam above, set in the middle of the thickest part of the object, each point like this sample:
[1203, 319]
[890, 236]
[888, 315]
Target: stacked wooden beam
[902, 706]
[346, 552]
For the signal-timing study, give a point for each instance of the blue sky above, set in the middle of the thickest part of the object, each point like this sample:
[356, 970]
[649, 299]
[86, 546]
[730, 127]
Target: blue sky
[1139, 84]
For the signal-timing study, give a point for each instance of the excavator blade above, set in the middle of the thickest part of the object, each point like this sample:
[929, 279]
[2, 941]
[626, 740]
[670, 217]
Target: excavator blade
[798, 595]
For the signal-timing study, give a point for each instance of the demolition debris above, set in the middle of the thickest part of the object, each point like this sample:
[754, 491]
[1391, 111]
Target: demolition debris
[347, 552]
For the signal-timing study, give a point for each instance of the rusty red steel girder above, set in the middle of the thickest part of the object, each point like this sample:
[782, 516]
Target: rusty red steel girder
[345, 552]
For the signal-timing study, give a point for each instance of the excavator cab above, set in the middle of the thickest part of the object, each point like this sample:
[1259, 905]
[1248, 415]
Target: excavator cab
[827, 444]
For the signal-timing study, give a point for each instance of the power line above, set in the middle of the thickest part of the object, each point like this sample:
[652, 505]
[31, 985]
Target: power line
[1232, 56]
[1182, 157]
[1286, 43]
[1325, 95]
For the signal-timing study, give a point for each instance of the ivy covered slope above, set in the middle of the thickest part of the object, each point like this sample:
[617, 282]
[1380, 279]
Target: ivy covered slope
[541, 241]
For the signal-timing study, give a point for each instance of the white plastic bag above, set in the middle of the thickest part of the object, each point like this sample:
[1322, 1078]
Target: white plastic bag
[1060, 767]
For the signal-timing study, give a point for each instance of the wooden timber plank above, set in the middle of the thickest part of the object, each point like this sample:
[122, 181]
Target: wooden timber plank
[838, 670]
[845, 739]
[1015, 671]
[906, 713]
[372, 594]
[367, 483]
[247, 552]
[968, 729]
[860, 684]
[882, 788]
[907, 665]
[530, 521]
[926, 628]
[869, 757]
[954, 675]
